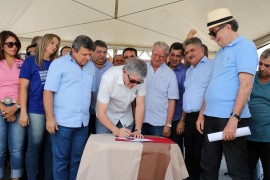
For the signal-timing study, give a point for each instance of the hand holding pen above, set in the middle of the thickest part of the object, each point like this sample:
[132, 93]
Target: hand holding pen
[135, 134]
[124, 131]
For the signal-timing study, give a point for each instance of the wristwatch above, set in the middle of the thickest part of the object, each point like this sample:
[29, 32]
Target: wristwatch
[183, 119]
[138, 130]
[169, 125]
[236, 116]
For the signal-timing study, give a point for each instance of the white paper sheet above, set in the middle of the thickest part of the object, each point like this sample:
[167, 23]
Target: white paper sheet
[244, 131]
[132, 139]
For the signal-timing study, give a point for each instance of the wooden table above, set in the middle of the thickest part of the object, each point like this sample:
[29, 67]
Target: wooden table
[104, 158]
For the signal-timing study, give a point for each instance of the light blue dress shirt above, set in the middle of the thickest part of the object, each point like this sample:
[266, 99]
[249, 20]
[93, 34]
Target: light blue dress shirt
[160, 87]
[72, 86]
[98, 75]
[195, 85]
[238, 56]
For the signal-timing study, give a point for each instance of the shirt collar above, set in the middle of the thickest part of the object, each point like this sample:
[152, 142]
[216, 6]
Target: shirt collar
[120, 78]
[239, 38]
[104, 65]
[203, 60]
[16, 60]
[70, 57]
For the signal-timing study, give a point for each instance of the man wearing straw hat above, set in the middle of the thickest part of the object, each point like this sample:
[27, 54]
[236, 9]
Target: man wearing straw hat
[225, 104]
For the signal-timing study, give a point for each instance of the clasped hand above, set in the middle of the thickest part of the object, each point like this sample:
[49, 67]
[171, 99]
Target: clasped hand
[9, 113]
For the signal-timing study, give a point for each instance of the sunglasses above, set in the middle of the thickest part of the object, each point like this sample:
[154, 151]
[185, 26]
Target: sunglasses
[11, 44]
[214, 33]
[133, 81]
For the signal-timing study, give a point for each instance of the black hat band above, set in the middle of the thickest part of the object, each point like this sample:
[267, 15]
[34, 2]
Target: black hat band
[219, 21]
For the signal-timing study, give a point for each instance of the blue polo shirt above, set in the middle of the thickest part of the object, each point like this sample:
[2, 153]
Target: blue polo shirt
[37, 77]
[98, 74]
[180, 72]
[160, 87]
[259, 106]
[197, 79]
[72, 86]
[238, 56]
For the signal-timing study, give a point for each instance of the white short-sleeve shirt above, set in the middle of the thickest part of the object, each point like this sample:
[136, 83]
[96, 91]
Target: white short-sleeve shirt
[112, 91]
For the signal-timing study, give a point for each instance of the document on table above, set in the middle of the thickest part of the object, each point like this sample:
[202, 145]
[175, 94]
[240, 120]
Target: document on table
[132, 139]
[244, 131]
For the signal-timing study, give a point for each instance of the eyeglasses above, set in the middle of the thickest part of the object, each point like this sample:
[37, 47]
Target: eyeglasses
[133, 81]
[11, 44]
[214, 33]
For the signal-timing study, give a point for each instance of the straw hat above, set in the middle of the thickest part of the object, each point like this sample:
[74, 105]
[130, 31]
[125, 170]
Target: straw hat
[218, 16]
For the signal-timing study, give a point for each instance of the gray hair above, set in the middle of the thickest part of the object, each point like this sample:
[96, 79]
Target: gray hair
[234, 25]
[265, 54]
[193, 40]
[136, 66]
[83, 41]
[36, 40]
[161, 45]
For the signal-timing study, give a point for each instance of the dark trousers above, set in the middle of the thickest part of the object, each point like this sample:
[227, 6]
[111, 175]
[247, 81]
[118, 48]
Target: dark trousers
[148, 129]
[193, 146]
[235, 152]
[178, 139]
[92, 124]
[256, 151]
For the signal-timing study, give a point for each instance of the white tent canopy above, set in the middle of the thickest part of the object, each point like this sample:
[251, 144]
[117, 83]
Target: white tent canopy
[135, 23]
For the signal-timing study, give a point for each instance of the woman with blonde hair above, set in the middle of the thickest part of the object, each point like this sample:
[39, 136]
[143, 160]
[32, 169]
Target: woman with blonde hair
[12, 135]
[32, 79]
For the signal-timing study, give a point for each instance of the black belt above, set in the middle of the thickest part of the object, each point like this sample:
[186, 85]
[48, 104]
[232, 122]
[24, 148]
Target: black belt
[193, 113]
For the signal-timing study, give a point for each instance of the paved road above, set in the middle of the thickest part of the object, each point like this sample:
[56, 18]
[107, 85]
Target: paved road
[222, 170]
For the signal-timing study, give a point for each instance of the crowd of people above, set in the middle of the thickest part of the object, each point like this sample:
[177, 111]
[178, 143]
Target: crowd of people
[51, 103]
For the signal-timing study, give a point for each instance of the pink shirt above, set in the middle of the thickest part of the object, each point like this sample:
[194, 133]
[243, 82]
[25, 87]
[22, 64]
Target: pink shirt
[9, 79]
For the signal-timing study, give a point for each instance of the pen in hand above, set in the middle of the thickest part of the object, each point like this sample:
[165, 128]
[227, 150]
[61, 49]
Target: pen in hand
[126, 129]
[124, 126]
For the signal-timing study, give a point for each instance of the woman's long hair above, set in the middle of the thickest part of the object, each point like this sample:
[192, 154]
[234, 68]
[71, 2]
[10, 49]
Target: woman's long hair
[41, 48]
[3, 37]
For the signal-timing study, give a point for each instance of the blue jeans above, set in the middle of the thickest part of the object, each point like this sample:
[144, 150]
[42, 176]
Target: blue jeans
[101, 129]
[149, 129]
[35, 132]
[12, 136]
[67, 147]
